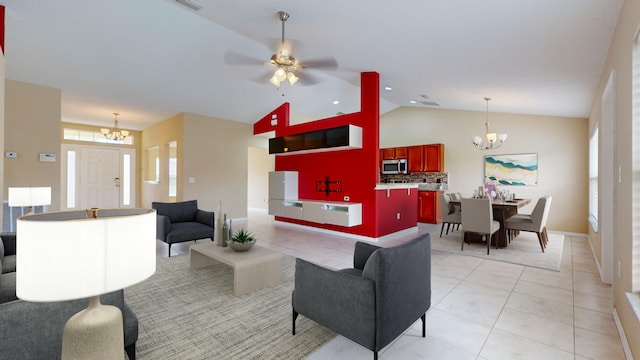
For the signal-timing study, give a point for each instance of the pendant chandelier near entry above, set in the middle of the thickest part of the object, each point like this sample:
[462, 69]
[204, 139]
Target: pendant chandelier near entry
[116, 134]
[490, 140]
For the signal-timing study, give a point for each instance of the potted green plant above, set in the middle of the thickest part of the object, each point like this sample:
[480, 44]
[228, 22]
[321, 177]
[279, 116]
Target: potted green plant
[242, 240]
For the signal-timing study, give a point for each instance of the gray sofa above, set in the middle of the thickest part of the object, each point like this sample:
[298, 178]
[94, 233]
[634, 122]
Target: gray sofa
[33, 330]
[373, 303]
[182, 221]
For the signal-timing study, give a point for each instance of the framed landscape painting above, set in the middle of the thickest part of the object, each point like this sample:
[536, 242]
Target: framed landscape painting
[512, 170]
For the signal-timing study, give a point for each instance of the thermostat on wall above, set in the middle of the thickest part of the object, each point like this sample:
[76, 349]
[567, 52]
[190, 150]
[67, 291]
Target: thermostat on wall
[47, 157]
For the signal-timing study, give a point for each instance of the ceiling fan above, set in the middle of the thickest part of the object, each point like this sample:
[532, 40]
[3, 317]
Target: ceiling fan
[285, 66]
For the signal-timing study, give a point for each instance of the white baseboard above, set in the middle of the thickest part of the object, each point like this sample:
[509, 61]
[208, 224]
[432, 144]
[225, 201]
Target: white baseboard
[347, 235]
[623, 336]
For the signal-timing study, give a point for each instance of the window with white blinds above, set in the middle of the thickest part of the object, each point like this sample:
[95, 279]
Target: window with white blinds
[593, 179]
[635, 155]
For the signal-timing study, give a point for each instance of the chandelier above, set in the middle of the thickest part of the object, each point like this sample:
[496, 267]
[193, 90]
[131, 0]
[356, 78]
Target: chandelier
[490, 140]
[116, 134]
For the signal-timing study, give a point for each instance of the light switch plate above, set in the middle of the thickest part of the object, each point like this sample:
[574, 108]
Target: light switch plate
[11, 154]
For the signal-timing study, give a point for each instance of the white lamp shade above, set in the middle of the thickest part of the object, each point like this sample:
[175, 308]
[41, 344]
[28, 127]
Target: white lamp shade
[65, 255]
[29, 196]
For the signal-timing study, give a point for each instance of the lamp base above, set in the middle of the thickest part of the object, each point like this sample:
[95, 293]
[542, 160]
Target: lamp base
[94, 333]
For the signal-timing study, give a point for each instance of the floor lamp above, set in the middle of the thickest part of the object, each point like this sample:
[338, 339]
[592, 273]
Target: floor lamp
[82, 254]
[29, 196]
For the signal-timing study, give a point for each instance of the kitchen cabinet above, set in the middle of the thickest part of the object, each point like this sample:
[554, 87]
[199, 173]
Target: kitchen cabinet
[393, 153]
[415, 159]
[425, 158]
[433, 157]
[429, 207]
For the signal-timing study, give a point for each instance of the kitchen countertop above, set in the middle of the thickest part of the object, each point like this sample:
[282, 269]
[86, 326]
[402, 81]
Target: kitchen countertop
[391, 186]
[420, 186]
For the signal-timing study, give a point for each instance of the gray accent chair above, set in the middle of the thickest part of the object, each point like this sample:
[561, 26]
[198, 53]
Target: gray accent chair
[477, 217]
[182, 221]
[535, 222]
[451, 215]
[33, 330]
[373, 303]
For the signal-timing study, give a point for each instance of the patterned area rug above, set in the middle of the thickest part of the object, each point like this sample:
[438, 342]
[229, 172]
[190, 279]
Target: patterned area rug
[523, 250]
[193, 314]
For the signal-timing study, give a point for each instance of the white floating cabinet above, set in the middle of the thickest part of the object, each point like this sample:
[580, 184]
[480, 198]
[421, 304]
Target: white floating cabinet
[283, 185]
[343, 215]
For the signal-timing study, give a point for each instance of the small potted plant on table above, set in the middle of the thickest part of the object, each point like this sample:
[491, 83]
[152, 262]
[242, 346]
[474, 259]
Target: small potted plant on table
[241, 240]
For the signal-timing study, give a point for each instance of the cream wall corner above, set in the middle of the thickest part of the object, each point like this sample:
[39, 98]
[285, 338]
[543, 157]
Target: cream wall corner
[216, 157]
[619, 60]
[32, 114]
[561, 144]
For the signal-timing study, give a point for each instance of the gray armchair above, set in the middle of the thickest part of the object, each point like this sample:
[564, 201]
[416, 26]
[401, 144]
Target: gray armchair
[375, 302]
[182, 221]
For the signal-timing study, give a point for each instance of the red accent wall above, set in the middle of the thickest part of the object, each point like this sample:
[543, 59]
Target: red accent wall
[278, 119]
[357, 169]
[2, 28]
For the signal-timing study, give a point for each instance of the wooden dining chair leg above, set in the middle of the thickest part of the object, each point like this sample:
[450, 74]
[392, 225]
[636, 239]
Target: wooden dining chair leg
[462, 243]
[441, 230]
[448, 224]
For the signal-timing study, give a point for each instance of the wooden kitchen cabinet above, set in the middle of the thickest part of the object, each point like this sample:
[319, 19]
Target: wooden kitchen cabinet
[433, 157]
[393, 153]
[414, 159]
[429, 207]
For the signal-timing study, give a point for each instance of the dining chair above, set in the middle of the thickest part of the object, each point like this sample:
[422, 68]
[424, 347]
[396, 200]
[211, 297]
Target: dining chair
[535, 222]
[477, 217]
[450, 214]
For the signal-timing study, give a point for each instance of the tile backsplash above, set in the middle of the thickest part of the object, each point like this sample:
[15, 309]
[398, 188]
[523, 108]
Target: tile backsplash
[426, 177]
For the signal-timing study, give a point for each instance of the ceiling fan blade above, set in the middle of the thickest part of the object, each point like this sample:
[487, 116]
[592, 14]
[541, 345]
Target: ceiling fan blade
[233, 58]
[328, 63]
[306, 79]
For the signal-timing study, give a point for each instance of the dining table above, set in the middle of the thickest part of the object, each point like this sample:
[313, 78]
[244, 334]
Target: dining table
[502, 210]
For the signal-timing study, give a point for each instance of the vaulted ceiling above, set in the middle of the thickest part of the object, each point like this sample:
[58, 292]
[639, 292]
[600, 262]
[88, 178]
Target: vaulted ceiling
[151, 59]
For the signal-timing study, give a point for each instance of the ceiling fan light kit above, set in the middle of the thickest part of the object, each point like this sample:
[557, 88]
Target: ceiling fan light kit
[490, 140]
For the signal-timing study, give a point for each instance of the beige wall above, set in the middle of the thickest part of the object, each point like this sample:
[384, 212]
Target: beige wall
[218, 164]
[32, 123]
[560, 143]
[260, 163]
[2, 101]
[161, 135]
[620, 60]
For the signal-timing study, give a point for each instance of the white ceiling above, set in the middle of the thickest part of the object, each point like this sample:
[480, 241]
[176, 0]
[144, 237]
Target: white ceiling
[151, 59]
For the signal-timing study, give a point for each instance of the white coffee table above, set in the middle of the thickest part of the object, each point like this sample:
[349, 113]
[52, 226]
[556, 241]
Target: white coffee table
[252, 270]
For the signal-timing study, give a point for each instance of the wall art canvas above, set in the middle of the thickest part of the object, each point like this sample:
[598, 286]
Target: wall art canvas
[512, 170]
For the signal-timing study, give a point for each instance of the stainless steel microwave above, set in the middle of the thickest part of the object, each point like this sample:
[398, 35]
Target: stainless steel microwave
[397, 166]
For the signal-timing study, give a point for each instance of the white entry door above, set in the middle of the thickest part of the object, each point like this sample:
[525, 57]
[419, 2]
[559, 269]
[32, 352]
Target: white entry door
[100, 178]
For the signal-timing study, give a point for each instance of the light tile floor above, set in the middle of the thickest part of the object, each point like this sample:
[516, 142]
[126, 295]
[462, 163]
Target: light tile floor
[480, 309]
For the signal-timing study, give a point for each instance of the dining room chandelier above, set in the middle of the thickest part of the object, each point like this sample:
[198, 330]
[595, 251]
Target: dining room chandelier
[116, 134]
[490, 140]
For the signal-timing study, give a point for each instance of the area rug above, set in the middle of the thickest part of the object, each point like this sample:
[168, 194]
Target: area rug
[523, 250]
[193, 314]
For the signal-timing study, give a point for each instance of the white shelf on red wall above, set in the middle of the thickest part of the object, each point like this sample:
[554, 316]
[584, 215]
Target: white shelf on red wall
[321, 212]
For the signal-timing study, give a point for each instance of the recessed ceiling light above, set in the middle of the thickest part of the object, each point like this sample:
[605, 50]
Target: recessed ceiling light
[413, 101]
[388, 88]
[336, 102]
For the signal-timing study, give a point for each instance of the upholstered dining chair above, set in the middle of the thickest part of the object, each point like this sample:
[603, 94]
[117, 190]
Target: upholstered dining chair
[535, 222]
[450, 214]
[477, 217]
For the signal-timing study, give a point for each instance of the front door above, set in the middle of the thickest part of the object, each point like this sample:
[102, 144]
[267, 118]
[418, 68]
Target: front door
[99, 178]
